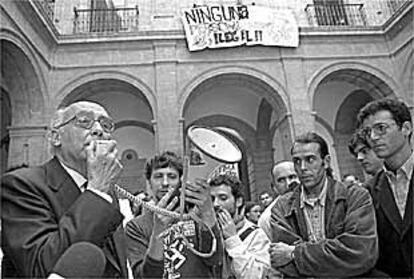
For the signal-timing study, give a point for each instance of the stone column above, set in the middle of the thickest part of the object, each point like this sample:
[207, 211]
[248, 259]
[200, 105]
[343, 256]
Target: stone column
[166, 88]
[28, 145]
[301, 108]
[182, 134]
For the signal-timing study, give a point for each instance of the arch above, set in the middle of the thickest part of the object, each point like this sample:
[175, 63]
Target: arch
[264, 115]
[20, 79]
[280, 99]
[325, 125]
[32, 55]
[6, 114]
[328, 134]
[322, 74]
[345, 122]
[136, 123]
[76, 82]
[408, 77]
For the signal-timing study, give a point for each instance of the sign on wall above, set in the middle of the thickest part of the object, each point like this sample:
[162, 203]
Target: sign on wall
[220, 26]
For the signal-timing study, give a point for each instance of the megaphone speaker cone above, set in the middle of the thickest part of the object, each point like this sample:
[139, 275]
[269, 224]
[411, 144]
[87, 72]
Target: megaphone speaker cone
[214, 144]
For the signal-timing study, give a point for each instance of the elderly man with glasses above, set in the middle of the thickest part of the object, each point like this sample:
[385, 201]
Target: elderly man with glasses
[69, 200]
[387, 126]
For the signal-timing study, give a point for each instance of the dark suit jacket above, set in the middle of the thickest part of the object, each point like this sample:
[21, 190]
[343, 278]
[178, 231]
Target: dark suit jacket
[44, 212]
[395, 234]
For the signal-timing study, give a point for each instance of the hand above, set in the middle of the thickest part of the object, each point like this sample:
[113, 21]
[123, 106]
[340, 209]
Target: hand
[103, 167]
[226, 223]
[280, 253]
[161, 222]
[198, 193]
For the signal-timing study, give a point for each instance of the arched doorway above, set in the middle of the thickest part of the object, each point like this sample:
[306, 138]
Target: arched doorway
[337, 101]
[250, 107]
[6, 115]
[23, 109]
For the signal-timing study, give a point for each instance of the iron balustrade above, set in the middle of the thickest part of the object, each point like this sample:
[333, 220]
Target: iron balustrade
[336, 14]
[105, 20]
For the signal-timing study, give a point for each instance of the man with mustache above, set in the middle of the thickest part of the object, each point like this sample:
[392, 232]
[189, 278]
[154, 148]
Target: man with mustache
[322, 228]
[284, 179]
[387, 126]
[48, 208]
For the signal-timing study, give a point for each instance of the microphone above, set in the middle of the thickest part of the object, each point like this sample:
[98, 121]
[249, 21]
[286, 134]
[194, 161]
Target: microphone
[80, 260]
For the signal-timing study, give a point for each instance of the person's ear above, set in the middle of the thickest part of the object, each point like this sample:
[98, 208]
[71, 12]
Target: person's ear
[239, 202]
[407, 128]
[55, 138]
[327, 161]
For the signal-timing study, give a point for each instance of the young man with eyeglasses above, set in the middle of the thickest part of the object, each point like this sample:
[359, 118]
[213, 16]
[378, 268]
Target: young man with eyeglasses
[48, 208]
[387, 126]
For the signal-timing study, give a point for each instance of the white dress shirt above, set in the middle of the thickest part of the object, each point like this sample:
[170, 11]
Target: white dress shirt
[250, 258]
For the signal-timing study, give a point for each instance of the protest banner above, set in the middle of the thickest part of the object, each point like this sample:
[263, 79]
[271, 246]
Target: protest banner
[220, 26]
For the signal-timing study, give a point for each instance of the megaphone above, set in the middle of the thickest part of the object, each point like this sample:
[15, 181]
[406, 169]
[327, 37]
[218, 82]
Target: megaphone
[210, 153]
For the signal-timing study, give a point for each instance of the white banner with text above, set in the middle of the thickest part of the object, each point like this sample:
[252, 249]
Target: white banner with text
[220, 26]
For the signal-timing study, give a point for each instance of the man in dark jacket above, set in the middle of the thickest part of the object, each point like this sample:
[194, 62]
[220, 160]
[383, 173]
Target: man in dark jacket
[155, 247]
[322, 228]
[49, 208]
[387, 126]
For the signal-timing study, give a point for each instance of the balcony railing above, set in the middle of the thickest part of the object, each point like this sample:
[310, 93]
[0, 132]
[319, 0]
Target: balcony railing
[336, 15]
[105, 20]
[366, 13]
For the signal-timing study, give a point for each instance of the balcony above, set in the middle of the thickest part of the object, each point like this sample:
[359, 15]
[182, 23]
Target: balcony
[336, 14]
[113, 20]
[371, 13]
[105, 20]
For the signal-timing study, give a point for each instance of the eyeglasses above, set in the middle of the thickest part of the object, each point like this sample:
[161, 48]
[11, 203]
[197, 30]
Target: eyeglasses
[379, 129]
[86, 120]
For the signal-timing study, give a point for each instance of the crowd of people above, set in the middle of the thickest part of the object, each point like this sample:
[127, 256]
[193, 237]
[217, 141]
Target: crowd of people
[63, 219]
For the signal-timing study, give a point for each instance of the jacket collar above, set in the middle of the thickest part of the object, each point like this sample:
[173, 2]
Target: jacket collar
[335, 192]
[384, 200]
[56, 175]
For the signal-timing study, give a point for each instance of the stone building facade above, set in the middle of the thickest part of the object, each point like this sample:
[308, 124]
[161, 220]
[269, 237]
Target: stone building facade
[155, 88]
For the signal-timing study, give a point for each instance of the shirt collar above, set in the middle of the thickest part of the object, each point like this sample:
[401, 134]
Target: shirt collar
[76, 176]
[407, 167]
[321, 198]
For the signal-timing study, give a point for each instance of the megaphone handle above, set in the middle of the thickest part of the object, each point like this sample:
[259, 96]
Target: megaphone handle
[151, 207]
[183, 186]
